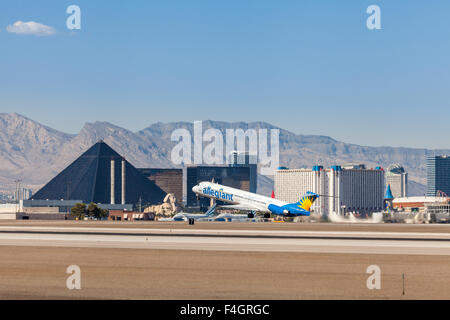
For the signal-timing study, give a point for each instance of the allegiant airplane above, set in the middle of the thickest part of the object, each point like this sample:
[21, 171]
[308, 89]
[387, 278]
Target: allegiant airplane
[184, 216]
[248, 201]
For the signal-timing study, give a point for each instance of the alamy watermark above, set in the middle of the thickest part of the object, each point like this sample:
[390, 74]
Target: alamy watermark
[373, 22]
[74, 280]
[254, 142]
[74, 20]
[374, 281]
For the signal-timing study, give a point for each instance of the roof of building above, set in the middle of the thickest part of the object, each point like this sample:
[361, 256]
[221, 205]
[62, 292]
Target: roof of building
[355, 167]
[420, 199]
[88, 179]
[395, 168]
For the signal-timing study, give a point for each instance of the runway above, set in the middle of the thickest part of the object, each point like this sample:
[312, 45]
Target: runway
[399, 243]
[222, 260]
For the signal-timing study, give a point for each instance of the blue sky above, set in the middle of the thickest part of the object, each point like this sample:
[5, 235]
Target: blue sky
[311, 67]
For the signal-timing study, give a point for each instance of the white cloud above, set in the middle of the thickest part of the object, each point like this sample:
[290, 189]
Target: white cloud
[30, 27]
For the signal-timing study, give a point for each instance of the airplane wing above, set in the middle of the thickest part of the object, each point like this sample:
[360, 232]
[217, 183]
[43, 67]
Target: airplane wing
[240, 207]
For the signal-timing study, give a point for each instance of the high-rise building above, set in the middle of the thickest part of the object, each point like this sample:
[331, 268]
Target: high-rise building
[235, 177]
[438, 175]
[351, 188]
[22, 194]
[243, 159]
[397, 178]
[169, 180]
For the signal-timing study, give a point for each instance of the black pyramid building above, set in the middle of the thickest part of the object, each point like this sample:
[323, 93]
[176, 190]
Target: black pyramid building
[95, 174]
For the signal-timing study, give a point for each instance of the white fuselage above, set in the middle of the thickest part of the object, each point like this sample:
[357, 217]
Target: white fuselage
[183, 216]
[243, 200]
[231, 216]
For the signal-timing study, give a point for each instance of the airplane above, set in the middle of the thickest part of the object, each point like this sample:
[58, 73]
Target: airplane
[184, 216]
[230, 217]
[247, 201]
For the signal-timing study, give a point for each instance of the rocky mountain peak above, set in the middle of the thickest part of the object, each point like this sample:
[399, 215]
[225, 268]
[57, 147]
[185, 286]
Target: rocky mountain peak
[35, 152]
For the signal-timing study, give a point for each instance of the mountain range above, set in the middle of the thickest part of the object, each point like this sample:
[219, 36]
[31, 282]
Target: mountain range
[35, 153]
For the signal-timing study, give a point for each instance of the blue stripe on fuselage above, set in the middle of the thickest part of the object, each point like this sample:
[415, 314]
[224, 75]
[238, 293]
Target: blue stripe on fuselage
[292, 208]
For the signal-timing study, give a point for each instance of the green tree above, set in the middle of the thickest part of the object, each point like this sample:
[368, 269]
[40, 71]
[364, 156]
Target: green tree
[78, 211]
[96, 212]
[103, 213]
[92, 210]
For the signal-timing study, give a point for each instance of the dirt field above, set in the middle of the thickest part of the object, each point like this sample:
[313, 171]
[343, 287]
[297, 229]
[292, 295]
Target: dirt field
[39, 273]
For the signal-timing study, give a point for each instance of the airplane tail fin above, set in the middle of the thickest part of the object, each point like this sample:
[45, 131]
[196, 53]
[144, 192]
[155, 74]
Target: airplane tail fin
[307, 200]
[211, 210]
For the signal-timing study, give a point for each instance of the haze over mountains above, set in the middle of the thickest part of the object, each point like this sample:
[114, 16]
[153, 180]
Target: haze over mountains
[35, 153]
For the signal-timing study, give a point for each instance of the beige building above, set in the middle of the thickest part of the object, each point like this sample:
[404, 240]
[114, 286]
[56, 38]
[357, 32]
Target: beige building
[397, 178]
[350, 188]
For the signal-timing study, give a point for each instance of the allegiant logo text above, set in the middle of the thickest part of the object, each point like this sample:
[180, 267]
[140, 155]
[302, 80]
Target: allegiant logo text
[218, 194]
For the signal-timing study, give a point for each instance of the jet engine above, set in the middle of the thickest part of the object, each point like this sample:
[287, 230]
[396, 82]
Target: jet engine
[278, 210]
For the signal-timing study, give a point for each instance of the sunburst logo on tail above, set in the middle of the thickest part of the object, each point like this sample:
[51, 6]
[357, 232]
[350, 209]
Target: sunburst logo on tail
[307, 201]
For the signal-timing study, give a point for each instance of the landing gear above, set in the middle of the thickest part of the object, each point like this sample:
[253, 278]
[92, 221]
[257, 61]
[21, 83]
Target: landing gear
[251, 215]
[278, 219]
[266, 215]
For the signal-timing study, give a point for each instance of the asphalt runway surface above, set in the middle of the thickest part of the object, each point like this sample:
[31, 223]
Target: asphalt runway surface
[384, 227]
[230, 240]
[222, 260]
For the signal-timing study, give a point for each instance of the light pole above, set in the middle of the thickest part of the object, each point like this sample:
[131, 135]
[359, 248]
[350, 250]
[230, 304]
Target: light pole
[17, 195]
